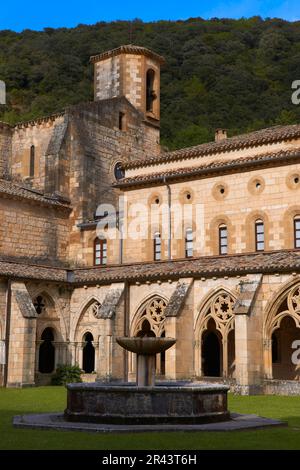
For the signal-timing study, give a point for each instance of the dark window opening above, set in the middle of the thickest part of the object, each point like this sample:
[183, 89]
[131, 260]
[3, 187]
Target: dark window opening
[275, 348]
[119, 171]
[100, 252]
[32, 161]
[47, 352]
[121, 121]
[39, 304]
[259, 235]
[223, 240]
[150, 93]
[211, 355]
[88, 356]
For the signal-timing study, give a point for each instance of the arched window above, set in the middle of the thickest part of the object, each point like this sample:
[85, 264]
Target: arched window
[47, 352]
[297, 231]
[150, 93]
[223, 240]
[88, 355]
[157, 247]
[119, 171]
[189, 243]
[100, 252]
[259, 235]
[32, 161]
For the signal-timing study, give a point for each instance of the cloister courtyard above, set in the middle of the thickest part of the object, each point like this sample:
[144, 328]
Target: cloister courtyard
[46, 399]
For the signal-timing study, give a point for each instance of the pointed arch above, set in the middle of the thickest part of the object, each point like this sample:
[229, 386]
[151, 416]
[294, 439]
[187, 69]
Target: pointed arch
[224, 323]
[282, 304]
[214, 330]
[149, 320]
[150, 309]
[280, 327]
[88, 314]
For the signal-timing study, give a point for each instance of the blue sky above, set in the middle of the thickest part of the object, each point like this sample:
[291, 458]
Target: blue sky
[36, 14]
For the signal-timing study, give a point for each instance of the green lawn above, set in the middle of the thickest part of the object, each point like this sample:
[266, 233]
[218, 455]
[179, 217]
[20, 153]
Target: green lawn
[43, 399]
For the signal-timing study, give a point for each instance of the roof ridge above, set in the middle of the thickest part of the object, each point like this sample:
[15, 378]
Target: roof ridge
[251, 139]
[189, 171]
[127, 48]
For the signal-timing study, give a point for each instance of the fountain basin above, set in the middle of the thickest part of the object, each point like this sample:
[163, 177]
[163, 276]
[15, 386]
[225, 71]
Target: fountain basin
[146, 346]
[173, 403]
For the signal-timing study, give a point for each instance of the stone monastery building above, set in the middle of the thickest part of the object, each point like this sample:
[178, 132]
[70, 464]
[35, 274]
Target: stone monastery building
[228, 289]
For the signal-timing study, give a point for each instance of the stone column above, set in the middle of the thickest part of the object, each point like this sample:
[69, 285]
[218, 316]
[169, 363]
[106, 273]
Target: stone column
[197, 358]
[225, 356]
[242, 353]
[170, 332]
[267, 353]
[22, 338]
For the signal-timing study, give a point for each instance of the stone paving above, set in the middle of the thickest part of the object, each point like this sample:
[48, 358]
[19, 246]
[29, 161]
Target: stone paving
[57, 422]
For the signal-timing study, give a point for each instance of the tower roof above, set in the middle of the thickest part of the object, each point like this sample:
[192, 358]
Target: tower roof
[127, 49]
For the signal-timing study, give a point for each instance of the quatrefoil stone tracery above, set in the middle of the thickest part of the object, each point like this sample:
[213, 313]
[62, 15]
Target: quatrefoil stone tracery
[222, 308]
[154, 313]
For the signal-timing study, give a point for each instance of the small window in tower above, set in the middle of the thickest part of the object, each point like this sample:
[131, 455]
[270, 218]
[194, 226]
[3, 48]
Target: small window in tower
[119, 171]
[121, 121]
[150, 93]
[32, 161]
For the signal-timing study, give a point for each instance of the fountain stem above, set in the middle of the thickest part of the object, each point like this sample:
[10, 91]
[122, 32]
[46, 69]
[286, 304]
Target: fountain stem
[145, 376]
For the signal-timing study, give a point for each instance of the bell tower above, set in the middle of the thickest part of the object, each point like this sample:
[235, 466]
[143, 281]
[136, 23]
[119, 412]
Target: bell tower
[133, 72]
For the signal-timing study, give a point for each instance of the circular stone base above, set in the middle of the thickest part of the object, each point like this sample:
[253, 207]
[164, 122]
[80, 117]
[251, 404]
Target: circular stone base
[56, 421]
[165, 403]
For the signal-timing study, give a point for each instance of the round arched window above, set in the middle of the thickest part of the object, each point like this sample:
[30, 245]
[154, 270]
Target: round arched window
[119, 171]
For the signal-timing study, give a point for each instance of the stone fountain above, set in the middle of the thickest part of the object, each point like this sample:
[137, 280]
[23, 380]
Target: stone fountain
[145, 406]
[147, 402]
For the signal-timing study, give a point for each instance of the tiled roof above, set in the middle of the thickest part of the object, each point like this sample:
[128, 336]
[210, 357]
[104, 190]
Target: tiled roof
[279, 157]
[127, 49]
[22, 270]
[252, 139]
[17, 191]
[205, 266]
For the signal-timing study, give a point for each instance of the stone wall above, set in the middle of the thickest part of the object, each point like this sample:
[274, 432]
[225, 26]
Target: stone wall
[5, 149]
[33, 231]
[233, 201]
[3, 293]
[96, 146]
[39, 134]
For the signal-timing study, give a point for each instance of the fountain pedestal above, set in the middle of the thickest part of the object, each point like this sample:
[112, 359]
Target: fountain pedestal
[146, 350]
[146, 402]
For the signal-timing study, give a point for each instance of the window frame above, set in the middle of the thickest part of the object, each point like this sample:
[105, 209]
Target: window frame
[223, 227]
[102, 257]
[259, 223]
[156, 252]
[296, 238]
[187, 241]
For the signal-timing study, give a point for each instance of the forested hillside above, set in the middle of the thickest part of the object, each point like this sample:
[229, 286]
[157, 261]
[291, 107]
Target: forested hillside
[235, 74]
